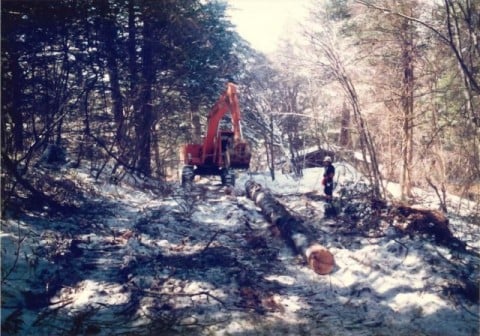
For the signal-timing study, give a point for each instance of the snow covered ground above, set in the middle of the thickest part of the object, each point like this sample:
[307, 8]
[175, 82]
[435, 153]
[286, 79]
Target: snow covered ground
[140, 261]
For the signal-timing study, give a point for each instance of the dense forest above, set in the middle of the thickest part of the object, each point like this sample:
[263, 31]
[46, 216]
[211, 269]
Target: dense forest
[120, 85]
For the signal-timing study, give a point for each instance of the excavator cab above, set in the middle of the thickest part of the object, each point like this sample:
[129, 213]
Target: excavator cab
[221, 150]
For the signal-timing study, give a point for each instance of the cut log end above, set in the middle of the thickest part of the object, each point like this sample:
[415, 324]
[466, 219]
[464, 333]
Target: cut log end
[320, 259]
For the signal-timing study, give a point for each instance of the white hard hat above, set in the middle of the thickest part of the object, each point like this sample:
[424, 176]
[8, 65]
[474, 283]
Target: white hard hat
[327, 159]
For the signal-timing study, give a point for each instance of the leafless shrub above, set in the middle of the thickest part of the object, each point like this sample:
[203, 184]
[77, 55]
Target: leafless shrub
[188, 199]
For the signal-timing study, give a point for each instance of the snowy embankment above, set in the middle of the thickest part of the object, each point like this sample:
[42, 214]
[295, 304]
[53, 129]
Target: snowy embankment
[135, 260]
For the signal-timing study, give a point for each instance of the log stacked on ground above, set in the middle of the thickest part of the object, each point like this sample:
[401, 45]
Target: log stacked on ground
[292, 229]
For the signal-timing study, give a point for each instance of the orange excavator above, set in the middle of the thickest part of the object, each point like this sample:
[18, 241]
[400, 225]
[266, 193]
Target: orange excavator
[222, 150]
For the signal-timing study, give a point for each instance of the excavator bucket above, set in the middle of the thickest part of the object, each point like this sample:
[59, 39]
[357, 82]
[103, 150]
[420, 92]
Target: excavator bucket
[240, 155]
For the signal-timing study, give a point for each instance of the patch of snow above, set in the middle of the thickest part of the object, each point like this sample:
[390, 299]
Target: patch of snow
[91, 292]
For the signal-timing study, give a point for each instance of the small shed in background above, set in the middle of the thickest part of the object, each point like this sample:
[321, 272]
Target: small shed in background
[313, 157]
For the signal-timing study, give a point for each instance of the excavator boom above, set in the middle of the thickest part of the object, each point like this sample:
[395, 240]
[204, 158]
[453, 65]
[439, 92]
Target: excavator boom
[228, 101]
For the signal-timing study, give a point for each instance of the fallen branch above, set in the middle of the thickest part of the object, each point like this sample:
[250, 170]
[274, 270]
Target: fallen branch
[17, 255]
[52, 310]
[293, 231]
[211, 240]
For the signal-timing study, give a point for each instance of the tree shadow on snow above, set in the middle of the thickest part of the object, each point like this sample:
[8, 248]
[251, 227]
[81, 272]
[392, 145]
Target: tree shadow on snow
[226, 285]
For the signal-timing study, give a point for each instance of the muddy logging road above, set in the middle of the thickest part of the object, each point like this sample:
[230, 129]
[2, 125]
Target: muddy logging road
[206, 261]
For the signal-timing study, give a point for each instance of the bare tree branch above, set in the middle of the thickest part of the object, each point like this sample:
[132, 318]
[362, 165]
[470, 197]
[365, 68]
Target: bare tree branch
[447, 40]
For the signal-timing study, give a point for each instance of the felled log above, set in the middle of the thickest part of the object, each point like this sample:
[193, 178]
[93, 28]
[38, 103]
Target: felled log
[292, 230]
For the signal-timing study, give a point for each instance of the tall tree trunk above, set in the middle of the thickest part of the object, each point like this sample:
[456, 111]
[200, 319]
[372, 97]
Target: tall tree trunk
[271, 164]
[62, 94]
[196, 120]
[345, 139]
[132, 47]
[109, 34]
[145, 114]
[392, 155]
[16, 115]
[407, 108]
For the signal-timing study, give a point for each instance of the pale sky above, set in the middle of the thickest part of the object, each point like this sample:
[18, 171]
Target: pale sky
[264, 22]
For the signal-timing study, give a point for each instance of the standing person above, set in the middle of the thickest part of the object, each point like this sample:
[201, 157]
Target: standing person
[328, 178]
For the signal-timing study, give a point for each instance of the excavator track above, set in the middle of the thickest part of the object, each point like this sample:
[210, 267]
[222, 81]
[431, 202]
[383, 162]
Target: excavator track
[228, 177]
